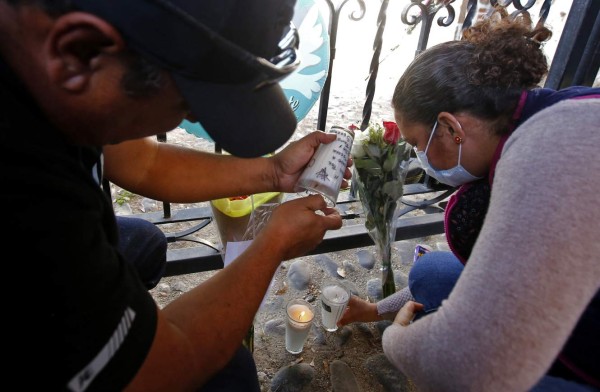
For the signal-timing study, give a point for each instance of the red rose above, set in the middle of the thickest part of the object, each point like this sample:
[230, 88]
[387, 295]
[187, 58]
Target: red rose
[392, 132]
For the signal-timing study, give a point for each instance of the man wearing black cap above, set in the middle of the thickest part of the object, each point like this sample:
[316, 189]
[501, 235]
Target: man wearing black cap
[77, 75]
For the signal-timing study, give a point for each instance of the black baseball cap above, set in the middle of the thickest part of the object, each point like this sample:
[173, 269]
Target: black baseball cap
[225, 56]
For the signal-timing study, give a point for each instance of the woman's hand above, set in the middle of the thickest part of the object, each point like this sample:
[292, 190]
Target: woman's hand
[359, 310]
[290, 162]
[408, 312]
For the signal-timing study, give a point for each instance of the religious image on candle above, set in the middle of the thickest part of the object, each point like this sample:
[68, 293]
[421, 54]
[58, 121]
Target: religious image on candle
[299, 320]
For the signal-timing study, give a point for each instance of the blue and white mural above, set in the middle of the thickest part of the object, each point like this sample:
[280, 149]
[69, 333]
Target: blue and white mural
[303, 87]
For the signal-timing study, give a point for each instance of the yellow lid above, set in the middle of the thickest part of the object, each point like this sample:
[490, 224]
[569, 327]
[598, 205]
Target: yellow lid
[236, 208]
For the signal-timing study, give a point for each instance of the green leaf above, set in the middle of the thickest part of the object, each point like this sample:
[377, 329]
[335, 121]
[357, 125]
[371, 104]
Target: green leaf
[393, 189]
[390, 162]
[373, 151]
[366, 164]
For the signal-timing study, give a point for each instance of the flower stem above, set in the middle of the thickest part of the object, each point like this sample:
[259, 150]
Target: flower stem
[387, 278]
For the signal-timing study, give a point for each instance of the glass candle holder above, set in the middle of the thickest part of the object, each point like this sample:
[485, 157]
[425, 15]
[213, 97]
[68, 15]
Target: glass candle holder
[299, 321]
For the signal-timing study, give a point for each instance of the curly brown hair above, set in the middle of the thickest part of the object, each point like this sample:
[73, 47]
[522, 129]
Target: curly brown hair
[483, 74]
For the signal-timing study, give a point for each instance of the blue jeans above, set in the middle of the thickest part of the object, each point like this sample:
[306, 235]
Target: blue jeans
[556, 384]
[431, 280]
[143, 245]
[239, 375]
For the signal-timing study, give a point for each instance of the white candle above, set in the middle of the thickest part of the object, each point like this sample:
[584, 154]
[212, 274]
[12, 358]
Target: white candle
[334, 300]
[299, 321]
[325, 171]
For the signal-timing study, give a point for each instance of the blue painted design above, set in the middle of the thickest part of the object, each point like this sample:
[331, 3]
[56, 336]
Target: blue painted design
[303, 87]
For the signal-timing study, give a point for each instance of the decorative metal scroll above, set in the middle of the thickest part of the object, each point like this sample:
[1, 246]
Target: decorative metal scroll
[421, 12]
[374, 68]
[334, 17]
[427, 11]
[519, 9]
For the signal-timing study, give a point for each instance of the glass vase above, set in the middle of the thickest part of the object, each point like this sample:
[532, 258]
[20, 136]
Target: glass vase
[380, 212]
[384, 251]
[379, 179]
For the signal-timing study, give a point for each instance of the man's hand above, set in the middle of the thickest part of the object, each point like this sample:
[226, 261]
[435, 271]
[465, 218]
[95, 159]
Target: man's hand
[296, 228]
[290, 162]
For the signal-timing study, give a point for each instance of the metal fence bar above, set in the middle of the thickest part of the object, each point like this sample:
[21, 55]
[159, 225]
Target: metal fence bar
[577, 60]
[577, 57]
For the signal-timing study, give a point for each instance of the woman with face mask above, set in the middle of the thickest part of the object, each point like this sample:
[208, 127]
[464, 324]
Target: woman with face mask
[468, 108]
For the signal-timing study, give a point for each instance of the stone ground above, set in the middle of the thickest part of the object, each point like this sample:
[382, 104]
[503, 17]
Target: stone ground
[329, 361]
[350, 359]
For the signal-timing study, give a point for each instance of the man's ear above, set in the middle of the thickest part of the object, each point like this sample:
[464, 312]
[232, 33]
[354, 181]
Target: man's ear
[450, 124]
[76, 47]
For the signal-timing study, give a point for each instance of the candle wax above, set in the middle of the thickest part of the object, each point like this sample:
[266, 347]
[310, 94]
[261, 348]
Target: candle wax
[300, 313]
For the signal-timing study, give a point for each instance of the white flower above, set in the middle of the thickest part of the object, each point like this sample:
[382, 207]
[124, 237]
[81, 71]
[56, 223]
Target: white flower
[360, 137]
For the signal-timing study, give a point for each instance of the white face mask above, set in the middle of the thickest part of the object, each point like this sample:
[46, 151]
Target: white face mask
[454, 177]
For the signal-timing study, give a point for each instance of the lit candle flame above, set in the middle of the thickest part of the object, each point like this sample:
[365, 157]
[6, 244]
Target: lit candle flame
[302, 315]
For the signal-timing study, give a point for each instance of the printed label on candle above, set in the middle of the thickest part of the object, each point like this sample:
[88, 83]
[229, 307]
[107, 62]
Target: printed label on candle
[325, 171]
[334, 300]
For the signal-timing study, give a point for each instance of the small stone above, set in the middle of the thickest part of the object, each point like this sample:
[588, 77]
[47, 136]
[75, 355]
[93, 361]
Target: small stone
[374, 290]
[342, 335]
[348, 266]
[400, 280]
[342, 378]
[293, 378]
[180, 286]
[366, 259]
[275, 327]
[275, 304]
[163, 288]
[123, 209]
[365, 329]
[299, 274]
[387, 374]
[327, 264]
[148, 205]
[319, 334]
[382, 325]
[262, 377]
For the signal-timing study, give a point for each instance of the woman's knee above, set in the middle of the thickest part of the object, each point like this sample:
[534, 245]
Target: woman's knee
[433, 265]
[432, 278]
